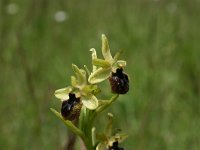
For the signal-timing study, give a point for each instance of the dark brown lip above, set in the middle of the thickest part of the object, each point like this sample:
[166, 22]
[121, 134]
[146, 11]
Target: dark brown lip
[69, 111]
[119, 82]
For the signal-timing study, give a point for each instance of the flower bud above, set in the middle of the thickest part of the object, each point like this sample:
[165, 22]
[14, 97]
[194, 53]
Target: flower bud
[71, 108]
[119, 82]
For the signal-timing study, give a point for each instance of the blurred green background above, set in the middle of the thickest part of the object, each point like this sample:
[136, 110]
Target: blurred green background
[40, 39]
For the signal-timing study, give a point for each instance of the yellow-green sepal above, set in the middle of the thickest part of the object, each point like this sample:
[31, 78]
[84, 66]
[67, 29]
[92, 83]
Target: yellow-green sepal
[63, 94]
[90, 101]
[101, 63]
[105, 49]
[80, 75]
[99, 75]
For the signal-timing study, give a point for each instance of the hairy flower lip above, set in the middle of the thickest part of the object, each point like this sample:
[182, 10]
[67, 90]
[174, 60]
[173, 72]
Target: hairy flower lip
[70, 109]
[119, 82]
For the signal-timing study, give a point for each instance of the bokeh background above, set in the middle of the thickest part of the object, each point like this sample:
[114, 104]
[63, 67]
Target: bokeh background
[40, 39]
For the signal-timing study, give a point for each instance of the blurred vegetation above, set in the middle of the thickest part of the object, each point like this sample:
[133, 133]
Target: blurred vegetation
[161, 43]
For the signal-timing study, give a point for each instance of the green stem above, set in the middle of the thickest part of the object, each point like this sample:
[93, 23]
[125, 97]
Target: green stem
[106, 105]
[86, 124]
[93, 136]
[89, 139]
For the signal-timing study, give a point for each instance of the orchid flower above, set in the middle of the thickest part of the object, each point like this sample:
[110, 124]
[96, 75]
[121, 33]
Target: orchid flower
[102, 68]
[81, 88]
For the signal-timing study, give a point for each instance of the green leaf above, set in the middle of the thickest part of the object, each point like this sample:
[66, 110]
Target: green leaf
[99, 75]
[69, 124]
[101, 63]
[63, 93]
[89, 101]
[105, 49]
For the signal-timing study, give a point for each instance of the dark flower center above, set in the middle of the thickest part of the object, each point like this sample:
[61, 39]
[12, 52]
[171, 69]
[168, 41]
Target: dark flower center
[67, 110]
[115, 146]
[119, 82]
[73, 99]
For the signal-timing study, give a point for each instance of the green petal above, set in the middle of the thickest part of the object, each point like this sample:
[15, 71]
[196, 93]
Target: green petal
[101, 146]
[121, 63]
[99, 75]
[73, 81]
[80, 75]
[101, 63]
[105, 49]
[94, 89]
[94, 56]
[63, 93]
[87, 70]
[117, 55]
[90, 101]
